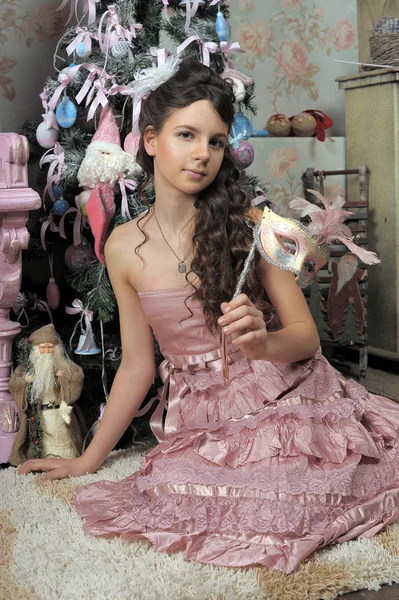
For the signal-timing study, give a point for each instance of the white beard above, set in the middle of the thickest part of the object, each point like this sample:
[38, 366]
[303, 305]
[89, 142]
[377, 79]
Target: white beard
[95, 170]
[43, 372]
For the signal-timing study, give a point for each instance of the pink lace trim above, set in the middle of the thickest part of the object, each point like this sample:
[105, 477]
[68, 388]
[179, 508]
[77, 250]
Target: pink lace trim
[339, 408]
[361, 481]
[186, 514]
[201, 380]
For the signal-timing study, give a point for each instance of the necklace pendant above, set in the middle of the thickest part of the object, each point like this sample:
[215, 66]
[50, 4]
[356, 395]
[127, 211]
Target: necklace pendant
[181, 267]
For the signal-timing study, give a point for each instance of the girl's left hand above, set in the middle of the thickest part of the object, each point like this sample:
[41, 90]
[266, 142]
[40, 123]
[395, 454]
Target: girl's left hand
[246, 325]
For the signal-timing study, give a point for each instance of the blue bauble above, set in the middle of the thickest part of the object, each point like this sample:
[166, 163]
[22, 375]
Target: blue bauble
[58, 191]
[81, 50]
[60, 207]
[242, 125]
[66, 113]
[222, 27]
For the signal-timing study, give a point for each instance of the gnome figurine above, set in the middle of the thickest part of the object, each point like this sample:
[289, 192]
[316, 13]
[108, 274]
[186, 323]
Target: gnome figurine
[104, 165]
[44, 391]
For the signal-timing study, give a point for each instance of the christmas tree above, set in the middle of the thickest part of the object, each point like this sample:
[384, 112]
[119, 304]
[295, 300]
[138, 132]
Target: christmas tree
[102, 67]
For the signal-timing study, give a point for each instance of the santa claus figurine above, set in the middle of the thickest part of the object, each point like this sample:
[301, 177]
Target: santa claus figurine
[104, 165]
[44, 391]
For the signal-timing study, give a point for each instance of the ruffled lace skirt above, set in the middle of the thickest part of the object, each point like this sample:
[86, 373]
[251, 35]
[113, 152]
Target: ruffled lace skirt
[281, 461]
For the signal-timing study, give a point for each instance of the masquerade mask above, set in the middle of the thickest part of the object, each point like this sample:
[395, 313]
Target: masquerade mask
[289, 245]
[303, 250]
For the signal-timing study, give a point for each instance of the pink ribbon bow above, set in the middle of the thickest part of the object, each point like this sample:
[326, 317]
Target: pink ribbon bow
[207, 48]
[229, 50]
[130, 185]
[48, 223]
[77, 225]
[65, 80]
[89, 6]
[57, 160]
[191, 10]
[100, 97]
[83, 35]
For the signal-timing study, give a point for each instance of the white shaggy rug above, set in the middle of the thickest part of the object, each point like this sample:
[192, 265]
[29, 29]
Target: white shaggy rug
[44, 555]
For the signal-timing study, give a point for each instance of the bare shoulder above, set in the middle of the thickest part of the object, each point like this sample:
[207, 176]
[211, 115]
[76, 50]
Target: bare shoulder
[124, 239]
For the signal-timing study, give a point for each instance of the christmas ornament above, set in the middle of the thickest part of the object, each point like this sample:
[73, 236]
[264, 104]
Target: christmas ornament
[58, 191]
[46, 138]
[53, 294]
[104, 165]
[83, 51]
[222, 27]
[242, 126]
[120, 49]
[238, 89]
[243, 154]
[87, 344]
[48, 424]
[79, 256]
[66, 113]
[303, 125]
[278, 125]
[60, 207]
[65, 71]
[314, 121]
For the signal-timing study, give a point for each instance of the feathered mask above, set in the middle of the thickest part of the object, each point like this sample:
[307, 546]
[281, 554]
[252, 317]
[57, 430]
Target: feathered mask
[302, 249]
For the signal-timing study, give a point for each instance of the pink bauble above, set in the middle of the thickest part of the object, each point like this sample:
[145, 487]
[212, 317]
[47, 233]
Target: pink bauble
[53, 294]
[46, 137]
[79, 256]
[131, 144]
[243, 155]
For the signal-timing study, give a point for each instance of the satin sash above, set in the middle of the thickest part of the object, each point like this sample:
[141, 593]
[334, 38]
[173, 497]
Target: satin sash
[174, 387]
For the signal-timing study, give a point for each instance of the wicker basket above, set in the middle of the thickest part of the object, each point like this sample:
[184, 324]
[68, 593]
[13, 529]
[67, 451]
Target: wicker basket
[384, 49]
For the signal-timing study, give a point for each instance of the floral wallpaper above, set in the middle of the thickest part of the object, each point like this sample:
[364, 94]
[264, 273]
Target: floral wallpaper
[290, 50]
[280, 162]
[28, 33]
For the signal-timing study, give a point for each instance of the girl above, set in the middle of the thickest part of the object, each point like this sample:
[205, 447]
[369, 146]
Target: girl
[285, 458]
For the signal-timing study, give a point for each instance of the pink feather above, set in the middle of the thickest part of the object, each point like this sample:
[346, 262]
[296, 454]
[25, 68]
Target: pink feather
[327, 224]
[369, 258]
[306, 207]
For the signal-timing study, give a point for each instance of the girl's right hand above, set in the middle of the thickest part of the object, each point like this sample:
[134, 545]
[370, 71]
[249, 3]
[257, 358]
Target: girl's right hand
[57, 468]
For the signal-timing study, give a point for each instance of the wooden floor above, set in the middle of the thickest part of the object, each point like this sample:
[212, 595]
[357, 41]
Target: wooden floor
[388, 592]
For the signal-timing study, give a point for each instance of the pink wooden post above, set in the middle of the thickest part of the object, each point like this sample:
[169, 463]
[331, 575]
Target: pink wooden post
[16, 199]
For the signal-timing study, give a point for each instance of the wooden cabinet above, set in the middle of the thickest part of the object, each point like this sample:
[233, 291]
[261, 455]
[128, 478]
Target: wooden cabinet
[372, 138]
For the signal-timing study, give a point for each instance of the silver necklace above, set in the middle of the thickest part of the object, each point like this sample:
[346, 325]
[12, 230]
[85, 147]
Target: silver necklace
[181, 265]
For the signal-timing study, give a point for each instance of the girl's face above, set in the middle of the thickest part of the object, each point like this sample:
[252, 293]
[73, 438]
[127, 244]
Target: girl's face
[189, 150]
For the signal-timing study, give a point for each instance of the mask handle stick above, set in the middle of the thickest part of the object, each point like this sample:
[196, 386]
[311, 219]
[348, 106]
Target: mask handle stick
[241, 281]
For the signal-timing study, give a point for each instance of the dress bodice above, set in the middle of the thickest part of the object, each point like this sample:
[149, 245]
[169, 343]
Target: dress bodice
[175, 328]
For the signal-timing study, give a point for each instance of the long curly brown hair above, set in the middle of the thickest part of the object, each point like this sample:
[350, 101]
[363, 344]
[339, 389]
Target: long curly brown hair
[222, 237]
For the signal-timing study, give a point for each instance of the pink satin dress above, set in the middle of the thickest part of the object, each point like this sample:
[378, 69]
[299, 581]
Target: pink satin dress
[282, 460]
